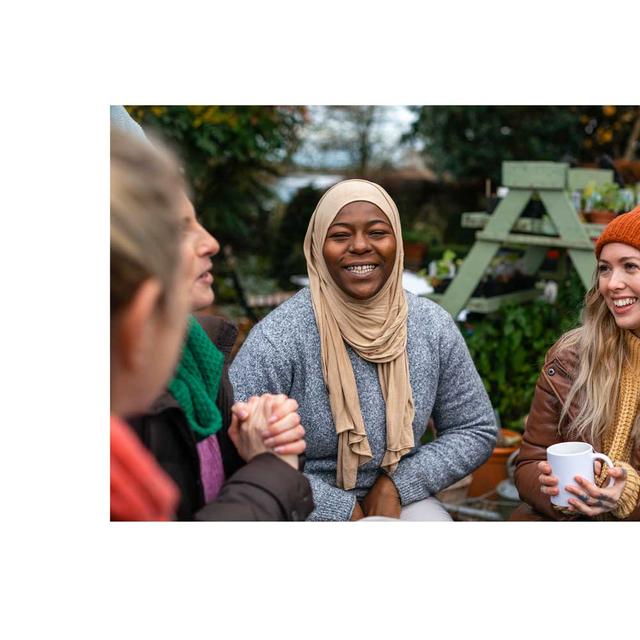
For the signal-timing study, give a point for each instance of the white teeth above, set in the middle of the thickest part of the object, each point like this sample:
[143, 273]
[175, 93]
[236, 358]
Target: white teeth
[361, 268]
[624, 302]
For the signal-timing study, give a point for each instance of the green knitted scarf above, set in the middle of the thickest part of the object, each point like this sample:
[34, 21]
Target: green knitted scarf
[196, 381]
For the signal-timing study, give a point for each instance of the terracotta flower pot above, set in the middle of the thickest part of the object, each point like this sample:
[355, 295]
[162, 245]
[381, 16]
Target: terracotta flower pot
[456, 492]
[414, 254]
[487, 477]
[440, 284]
[601, 217]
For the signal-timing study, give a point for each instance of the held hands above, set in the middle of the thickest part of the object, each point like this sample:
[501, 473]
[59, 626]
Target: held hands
[273, 420]
[246, 434]
[383, 499]
[591, 500]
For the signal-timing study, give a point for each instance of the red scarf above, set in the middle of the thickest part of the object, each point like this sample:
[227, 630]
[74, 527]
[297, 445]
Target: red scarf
[140, 489]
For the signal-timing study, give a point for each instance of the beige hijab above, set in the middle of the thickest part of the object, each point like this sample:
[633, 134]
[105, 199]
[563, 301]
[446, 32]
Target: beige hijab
[375, 328]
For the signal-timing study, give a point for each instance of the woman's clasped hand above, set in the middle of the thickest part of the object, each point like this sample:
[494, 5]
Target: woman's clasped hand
[284, 435]
[590, 499]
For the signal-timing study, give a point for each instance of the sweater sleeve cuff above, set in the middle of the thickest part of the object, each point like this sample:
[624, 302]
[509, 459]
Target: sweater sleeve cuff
[629, 498]
[408, 489]
[331, 504]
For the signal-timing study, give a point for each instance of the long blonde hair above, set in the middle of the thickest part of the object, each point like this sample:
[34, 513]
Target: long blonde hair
[145, 226]
[600, 345]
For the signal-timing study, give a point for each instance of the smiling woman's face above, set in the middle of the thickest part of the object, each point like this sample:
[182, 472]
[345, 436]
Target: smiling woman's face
[360, 249]
[619, 283]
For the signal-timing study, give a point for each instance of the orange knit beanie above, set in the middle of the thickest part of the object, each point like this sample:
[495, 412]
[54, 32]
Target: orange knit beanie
[624, 228]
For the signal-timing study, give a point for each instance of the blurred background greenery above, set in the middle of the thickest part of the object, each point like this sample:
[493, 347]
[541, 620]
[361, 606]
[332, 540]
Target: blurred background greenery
[257, 173]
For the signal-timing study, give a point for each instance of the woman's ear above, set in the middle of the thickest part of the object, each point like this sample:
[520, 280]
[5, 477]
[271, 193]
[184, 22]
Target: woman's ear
[136, 323]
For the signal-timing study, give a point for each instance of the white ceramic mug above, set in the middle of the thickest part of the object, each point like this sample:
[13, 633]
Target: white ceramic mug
[571, 459]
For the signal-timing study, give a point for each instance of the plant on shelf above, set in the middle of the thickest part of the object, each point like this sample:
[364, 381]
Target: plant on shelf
[442, 271]
[508, 346]
[602, 202]
[417, 236]
[416, 246]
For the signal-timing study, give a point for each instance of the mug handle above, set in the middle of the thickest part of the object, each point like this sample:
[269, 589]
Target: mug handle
[607, 460]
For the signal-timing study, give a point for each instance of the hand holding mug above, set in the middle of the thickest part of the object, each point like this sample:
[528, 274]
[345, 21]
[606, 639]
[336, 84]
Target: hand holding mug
[592, 500]
[548, 482]
[571, 463]
[549, 485]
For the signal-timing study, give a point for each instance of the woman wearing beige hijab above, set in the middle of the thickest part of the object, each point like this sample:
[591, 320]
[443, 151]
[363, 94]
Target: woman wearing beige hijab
[368, 364]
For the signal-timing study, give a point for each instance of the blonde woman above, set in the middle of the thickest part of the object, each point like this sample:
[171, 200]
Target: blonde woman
[368, 364]
[589, 390]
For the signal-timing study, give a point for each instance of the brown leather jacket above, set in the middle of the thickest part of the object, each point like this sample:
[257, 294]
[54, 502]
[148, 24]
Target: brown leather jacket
[542, 430]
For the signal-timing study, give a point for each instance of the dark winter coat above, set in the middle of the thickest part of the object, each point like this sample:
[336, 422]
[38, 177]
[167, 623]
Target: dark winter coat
[264, 489]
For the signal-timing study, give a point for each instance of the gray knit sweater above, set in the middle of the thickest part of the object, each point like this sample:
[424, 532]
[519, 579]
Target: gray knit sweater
[282, 355]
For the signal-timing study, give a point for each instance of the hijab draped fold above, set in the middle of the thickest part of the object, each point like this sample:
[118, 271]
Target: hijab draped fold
[375, 328]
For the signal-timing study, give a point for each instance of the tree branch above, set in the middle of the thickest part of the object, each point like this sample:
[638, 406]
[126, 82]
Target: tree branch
[632, 142]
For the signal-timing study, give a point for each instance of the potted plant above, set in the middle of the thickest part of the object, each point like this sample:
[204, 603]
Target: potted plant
[416, 247]
[487, 477]
[602, 202]
[504, 275]
[442, 271]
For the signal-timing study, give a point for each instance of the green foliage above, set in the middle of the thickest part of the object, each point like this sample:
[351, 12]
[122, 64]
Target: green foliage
[230, 154]
[287, 255]
[443, 265]
[438, 251]
[252, 272]
[608, 197]
[424, 236]
[470, 142]
[508, 347]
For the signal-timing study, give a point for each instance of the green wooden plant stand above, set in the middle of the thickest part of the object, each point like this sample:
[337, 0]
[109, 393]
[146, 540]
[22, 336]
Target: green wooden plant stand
[562, 228]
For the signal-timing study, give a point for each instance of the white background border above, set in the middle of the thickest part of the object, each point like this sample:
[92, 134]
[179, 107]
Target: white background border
[68, 572]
